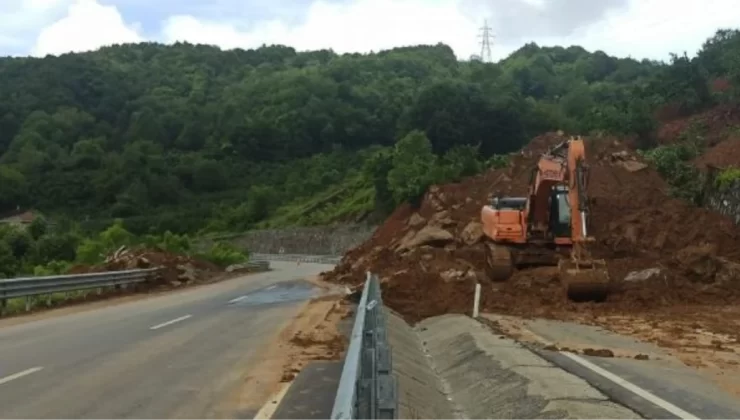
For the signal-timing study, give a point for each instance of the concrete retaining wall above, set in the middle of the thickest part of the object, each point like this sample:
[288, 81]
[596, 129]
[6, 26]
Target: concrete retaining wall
[726, 201]
[420, 392]
[320, 240]
[489, 376]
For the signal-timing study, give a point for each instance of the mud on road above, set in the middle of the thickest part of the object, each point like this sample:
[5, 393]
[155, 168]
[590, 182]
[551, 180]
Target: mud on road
[310, 336]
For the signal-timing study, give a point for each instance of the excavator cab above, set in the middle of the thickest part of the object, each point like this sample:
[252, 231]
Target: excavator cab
[560, 214]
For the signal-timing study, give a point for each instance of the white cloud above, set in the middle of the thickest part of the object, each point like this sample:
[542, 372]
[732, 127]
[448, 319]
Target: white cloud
[640, 28]
[645, 28]
[655, 28]
[41, 4]
[88, 25]
[21, 19]
[361, 25]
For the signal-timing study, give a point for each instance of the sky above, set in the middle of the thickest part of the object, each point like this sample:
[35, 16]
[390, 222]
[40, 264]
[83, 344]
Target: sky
[637, 28]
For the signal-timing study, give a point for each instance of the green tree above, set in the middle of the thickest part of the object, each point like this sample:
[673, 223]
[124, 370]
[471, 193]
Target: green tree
[414, 168]
[178, 137]
[376, 170]
[38, 227]
[13, 188]
[20, 242]
[8, 262]
[56, 247]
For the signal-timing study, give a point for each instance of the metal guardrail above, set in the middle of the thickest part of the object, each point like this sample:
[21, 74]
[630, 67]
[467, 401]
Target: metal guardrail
[367, 388]
[33, 286]
[316, 259]
[256, 265]
[46, 285]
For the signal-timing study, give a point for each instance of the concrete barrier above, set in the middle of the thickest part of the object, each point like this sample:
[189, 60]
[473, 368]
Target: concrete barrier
[489, 376]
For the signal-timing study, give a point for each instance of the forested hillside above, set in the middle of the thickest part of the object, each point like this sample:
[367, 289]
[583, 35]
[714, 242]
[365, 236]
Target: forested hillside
[188, 137]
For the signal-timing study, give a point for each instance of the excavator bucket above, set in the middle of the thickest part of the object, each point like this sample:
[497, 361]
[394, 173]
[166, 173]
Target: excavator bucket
[585, 280]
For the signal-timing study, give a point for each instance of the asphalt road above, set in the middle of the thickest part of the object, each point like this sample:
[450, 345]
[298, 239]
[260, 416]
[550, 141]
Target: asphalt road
[176, 355]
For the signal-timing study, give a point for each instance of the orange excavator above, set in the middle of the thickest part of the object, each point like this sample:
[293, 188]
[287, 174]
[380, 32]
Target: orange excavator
[549, 226]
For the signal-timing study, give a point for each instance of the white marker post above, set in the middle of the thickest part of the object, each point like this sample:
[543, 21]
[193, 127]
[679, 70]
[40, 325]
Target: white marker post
[476, 301]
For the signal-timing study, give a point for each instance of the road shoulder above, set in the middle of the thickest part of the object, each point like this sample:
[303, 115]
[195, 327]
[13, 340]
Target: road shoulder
[310, 336]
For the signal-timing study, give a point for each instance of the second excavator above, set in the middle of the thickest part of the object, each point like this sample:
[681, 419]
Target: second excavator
[549, 226]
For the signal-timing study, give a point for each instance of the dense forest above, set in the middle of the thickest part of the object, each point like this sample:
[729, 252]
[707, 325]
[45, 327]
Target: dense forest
[191, 138]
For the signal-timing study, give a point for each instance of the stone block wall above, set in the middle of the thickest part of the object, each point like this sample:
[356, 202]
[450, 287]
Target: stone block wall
[725, 201]
[320, 240]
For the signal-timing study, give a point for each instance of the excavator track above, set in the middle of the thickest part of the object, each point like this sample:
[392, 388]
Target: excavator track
[584, 280]
[500, 262]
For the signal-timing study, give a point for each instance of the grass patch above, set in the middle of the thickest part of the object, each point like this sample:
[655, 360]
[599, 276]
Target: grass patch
[727, 177]
[17, 306]
[349, 201]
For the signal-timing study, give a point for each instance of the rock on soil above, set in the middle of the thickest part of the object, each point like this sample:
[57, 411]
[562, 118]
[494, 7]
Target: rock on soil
[725, 153]
[430, 258]
[714, 124]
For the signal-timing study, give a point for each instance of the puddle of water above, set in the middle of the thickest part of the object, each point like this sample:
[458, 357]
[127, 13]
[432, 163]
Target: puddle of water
[278, 293]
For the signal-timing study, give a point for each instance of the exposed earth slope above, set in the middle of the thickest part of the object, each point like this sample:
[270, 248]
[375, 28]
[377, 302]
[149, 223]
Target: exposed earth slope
[672, 263]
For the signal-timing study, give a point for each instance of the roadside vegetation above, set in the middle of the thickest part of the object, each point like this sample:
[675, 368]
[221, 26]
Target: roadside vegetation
[41, 249]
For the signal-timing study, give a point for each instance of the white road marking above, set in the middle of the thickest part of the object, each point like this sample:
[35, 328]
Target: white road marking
[20, 374]
[647, 395]
[268, 410]
[676, 411]
[164, 324]
[239, 299]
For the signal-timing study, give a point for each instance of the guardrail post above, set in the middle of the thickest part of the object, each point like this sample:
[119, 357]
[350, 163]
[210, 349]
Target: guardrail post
[48, 299]
[476, 300]
[28, 303]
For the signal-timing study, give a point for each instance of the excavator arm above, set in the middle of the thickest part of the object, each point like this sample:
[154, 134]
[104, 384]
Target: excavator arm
[585, 278]
[577, 198]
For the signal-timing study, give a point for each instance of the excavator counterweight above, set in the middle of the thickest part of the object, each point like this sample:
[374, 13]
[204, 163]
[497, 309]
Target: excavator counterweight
[549, 226]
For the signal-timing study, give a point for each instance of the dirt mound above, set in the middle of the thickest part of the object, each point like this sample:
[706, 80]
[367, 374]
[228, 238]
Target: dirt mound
[725, 153]
[315, 335]
[715, 122]
[430, 259]
[176, 269]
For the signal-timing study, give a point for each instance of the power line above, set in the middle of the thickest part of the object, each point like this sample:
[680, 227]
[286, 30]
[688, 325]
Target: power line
[486, 36]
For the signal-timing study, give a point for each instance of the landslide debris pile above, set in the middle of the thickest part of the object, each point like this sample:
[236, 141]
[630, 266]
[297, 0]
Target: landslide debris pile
[176, 269]
[660, 251]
